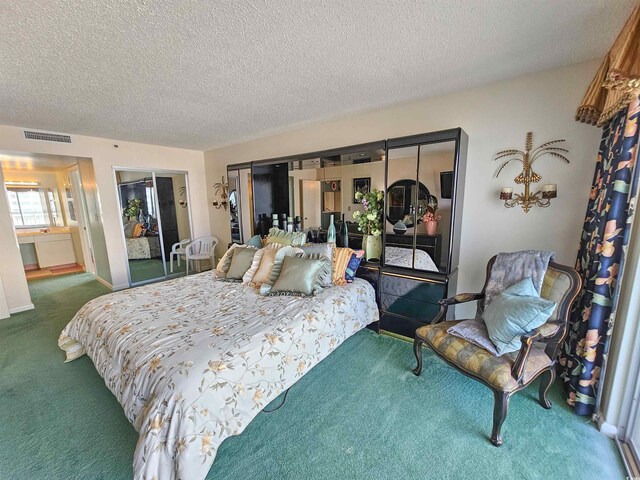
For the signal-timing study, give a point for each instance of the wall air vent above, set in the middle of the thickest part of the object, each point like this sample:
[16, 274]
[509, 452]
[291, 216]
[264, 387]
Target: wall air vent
[47, 137]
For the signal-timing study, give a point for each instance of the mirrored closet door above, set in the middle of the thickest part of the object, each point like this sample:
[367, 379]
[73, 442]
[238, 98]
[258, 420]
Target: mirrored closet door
[418, 206]
[155, 220]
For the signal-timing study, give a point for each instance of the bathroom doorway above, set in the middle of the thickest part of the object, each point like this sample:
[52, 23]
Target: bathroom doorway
[49, 212]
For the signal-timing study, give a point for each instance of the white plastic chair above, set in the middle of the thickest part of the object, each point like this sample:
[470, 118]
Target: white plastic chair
[178, 250]
[201, 248]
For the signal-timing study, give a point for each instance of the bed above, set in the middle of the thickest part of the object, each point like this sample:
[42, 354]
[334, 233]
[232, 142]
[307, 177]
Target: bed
[403, 257]
[140, 248]
[193, 360]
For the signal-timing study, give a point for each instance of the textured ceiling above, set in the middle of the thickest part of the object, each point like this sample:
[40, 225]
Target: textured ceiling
[199, 74]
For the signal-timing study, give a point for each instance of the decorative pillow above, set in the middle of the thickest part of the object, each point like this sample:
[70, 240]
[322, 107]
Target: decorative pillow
[225, 261]
[255, 241]
[514, 312]
[279, 256]
[301, 275]
[128, 229]
[138, 229]
[328, 251]
[352, 266]
[262, 263]
[294, 239]
[240, 262]
[340, 263]
[474, 331]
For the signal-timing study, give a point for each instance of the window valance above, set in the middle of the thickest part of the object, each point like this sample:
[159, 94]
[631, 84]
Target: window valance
[617, 82]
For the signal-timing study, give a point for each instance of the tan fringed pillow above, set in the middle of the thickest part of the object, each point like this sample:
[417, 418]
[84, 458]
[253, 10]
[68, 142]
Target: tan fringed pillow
[340, 263]
[262, 264]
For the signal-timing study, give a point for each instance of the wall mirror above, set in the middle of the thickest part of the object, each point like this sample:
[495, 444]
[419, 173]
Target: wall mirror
[312, 186]
[400, 198]
[418, 205]
[155, 217]
[324, 186]
[240, 203]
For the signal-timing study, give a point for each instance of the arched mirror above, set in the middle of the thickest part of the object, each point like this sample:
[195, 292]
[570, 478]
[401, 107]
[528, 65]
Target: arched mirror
[402, 206]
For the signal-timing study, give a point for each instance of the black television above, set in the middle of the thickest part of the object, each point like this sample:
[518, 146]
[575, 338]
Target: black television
[446, 184]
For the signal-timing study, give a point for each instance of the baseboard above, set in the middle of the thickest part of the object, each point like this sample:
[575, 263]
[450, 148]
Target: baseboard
[22, 308]
[104, 282]
[113, 288]
[609, 429]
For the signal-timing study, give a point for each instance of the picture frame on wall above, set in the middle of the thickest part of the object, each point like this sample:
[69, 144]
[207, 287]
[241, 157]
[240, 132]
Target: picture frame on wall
[362, 185]
[396, 197]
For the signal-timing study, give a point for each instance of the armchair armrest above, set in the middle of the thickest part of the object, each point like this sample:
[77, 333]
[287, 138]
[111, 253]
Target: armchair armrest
[445, 303]
[461, 298]
[544, 334]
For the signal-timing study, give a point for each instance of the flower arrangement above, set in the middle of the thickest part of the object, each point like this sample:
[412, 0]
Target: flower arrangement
[370, 220]
[132, 209]
[430, 216]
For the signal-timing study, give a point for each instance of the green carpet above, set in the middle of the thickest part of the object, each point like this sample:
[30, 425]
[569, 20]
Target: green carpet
[150, 268]
[360, 413]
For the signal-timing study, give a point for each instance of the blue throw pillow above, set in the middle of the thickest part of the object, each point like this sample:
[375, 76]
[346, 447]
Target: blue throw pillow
[514, 312]
[255, 241]
[352, 268]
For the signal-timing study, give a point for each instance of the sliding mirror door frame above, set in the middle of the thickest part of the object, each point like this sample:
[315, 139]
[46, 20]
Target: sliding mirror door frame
[458, 136]
[164, 254]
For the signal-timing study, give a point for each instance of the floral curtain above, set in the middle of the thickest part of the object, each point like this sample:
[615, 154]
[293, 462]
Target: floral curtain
[604, 235]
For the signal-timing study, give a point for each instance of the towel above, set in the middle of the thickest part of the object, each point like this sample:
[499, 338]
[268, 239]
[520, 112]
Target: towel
[510, 268]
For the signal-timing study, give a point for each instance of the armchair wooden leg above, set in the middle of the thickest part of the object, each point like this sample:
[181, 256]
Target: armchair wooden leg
[545, 386]
[417, 350]
[500, 407]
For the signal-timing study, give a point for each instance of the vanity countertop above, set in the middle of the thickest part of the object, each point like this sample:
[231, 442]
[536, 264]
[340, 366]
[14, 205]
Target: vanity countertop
[30, 232]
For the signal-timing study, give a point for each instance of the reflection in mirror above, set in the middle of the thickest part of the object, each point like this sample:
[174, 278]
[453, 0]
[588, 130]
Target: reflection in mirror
[304, 177]
[140, 225]
[402, 206]
[326, 186]
[173, 217]
[234, 205]
[240, 204]
[435, 170]
[400, 198]
[155, 222]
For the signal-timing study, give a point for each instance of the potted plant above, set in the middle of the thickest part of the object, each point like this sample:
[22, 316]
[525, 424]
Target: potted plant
[370, 222]
[132, 209]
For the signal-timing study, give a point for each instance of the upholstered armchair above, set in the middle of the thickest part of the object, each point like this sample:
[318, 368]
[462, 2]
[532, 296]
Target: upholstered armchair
[510, 372]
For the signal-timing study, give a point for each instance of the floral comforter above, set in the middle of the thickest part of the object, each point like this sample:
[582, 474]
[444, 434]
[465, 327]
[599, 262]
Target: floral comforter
[192, 361]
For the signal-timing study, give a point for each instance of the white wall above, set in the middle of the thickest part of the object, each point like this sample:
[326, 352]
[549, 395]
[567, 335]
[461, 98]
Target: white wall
[12, 276]
[495, 117]
[105, 156]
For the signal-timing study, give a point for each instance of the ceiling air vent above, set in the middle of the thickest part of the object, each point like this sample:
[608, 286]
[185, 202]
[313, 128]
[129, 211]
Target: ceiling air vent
[47, 137]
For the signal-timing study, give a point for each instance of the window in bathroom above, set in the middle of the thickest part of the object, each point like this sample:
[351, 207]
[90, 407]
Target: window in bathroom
[32, 207]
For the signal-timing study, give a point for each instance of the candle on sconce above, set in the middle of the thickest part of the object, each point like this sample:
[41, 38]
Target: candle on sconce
[506, 193]
[550, 190]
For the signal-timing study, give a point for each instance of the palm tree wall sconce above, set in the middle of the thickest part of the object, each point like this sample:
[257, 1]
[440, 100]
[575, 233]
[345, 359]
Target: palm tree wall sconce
[221, 189]
[527, 200]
